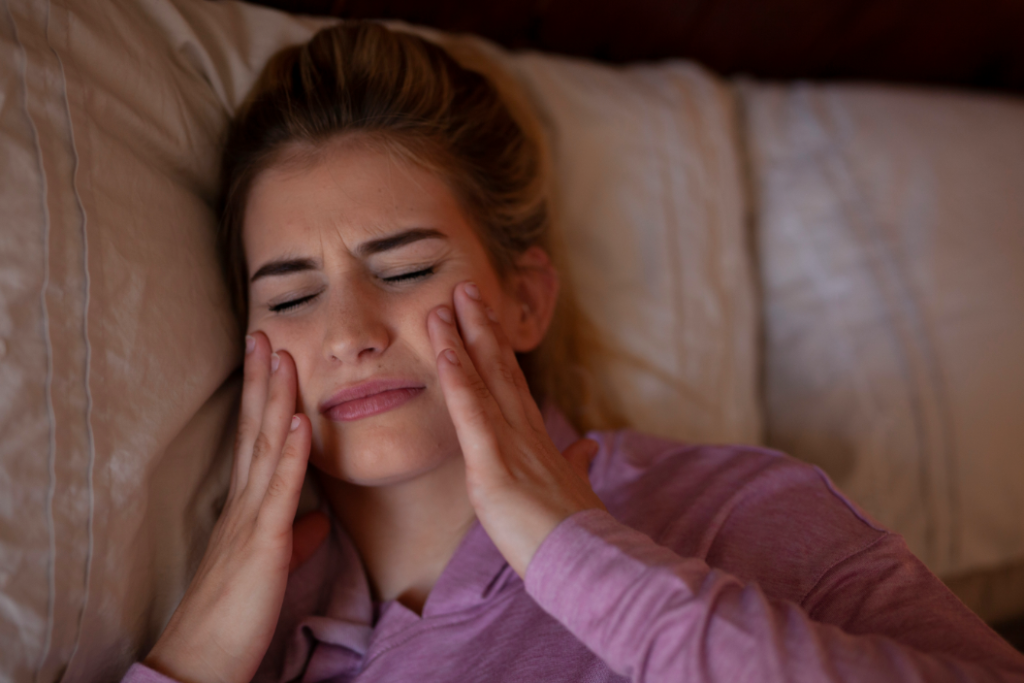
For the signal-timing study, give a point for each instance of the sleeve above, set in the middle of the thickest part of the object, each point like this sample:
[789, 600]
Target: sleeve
[140, 673]
[652, 615]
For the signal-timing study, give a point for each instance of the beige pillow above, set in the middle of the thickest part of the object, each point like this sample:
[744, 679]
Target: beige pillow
[117, 385]
[119, 340]
[891, 230]
[652, 204]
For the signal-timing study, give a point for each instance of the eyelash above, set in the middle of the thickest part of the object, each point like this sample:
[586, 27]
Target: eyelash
[396, 279]
[414, 275]
[294, 303]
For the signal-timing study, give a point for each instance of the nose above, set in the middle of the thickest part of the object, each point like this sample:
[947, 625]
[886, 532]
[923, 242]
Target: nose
[355, 329]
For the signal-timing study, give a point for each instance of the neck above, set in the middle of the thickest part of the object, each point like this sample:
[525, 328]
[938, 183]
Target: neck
[406, 532]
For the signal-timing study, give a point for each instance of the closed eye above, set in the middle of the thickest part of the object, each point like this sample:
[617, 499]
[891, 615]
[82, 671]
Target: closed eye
[294, 303]
[414, 275]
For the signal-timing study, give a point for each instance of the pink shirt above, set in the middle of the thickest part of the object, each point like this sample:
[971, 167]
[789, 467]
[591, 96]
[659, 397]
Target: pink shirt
[712, 564]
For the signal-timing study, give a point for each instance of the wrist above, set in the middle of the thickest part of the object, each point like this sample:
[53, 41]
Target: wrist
[180, 662]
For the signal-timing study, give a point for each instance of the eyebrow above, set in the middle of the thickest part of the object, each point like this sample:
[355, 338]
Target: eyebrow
[297, 265]
[398, 240]
[284, 267]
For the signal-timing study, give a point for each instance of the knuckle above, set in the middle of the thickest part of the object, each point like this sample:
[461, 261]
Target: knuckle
[247, 426]
[480, 391]
[278, 486]
[291, 451]
[476, 384]
[262, 446]
[478, 414]
[506, 373]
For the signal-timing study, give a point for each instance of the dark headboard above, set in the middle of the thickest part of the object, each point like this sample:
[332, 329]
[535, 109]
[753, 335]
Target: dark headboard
[975, 43]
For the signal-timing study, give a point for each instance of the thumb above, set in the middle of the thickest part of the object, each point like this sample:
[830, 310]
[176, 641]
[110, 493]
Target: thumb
[308, 534]
[580, 455]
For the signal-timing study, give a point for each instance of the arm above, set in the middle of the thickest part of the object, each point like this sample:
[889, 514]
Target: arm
[224, 623]
[649, 613]
[655, 616]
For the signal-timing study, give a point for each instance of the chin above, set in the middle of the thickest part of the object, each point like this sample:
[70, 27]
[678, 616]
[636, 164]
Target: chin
[383, 452]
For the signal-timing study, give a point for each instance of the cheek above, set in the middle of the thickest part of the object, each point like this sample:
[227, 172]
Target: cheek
[298, 339]
[407, 316]
[481, 272]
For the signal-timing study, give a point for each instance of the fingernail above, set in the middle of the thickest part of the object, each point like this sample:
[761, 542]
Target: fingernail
[250, 344]
[472, 292]
[492, 315]
[451, 356]
[295, 423]
[445, 314]
[275, 362]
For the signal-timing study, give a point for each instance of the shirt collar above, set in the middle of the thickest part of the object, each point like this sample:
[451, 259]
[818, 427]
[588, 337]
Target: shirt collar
[343, 622]
[477, 569]
[476, 572]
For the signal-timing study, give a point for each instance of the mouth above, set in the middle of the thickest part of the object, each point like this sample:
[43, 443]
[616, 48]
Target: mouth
[369, 398]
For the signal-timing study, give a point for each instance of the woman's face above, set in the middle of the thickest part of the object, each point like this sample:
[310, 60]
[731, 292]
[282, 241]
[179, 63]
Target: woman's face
[346, 256]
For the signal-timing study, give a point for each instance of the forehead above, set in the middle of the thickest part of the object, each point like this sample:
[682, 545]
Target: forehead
[347, 193]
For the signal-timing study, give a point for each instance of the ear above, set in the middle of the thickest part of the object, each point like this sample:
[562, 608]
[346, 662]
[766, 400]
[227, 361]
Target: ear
[533, 288]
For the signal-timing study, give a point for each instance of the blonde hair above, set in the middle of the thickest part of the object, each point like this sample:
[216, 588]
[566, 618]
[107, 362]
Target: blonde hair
[411, 95]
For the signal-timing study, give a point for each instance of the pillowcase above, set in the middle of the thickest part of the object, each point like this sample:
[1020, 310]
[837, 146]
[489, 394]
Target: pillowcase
[118, 385]
[116, 390]
[891, 234]
[652, 208]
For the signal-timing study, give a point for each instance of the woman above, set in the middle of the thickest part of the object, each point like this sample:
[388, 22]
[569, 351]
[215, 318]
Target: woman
[388, 239]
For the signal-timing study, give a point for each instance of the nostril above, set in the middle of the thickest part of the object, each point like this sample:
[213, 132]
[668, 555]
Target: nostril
[349, 343]
[370, 351]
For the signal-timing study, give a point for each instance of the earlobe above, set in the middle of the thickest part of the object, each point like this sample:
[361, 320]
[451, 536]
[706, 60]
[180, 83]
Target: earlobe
[535, 286]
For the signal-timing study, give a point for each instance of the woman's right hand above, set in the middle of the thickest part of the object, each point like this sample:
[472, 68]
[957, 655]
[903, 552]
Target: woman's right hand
[224, 624]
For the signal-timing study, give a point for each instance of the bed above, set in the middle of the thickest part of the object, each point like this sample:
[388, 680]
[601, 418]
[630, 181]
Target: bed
[832, 268]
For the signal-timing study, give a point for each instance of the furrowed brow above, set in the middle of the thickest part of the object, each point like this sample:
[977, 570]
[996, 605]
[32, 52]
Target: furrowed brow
[399, 240]
[284, 267]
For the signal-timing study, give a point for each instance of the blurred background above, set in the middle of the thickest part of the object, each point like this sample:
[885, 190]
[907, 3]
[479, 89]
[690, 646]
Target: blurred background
[977, 44]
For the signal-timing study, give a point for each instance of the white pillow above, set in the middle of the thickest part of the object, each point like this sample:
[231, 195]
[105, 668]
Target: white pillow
[117, 390]
[653, 207]
[891, 225]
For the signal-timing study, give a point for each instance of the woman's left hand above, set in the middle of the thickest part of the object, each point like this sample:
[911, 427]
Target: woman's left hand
[519, 484]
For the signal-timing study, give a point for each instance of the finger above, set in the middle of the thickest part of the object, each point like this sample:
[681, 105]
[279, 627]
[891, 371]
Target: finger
[533, 412]
[284, 489]
[274, 428]
[256, 372]
[308, 534]
[580, 454]
[492, 355]
[473, 410]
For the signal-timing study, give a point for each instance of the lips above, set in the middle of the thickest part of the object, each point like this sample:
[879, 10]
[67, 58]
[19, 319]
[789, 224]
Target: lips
[370, 398]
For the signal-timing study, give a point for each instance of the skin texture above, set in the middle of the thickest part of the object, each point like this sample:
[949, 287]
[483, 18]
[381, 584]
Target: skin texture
[407, 482]
[360, 323]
